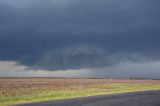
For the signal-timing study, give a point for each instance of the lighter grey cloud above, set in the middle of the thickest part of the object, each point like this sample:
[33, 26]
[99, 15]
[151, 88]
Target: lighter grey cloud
[122, 70]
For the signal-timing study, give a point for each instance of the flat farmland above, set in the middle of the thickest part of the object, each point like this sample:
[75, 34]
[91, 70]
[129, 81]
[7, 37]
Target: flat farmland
[25, 90]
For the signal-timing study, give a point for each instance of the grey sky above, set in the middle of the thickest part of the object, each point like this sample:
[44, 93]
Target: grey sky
[72, 35]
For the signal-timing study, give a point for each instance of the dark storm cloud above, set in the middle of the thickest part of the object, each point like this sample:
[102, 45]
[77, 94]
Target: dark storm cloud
[74, 34]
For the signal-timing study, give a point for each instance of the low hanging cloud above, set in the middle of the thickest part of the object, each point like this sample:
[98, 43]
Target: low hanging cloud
[69, 34]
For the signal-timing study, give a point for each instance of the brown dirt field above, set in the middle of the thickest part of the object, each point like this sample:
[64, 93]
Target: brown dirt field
[40, 82]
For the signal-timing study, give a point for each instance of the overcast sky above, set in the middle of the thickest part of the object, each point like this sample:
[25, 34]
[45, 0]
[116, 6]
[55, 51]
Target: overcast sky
[80, 38]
